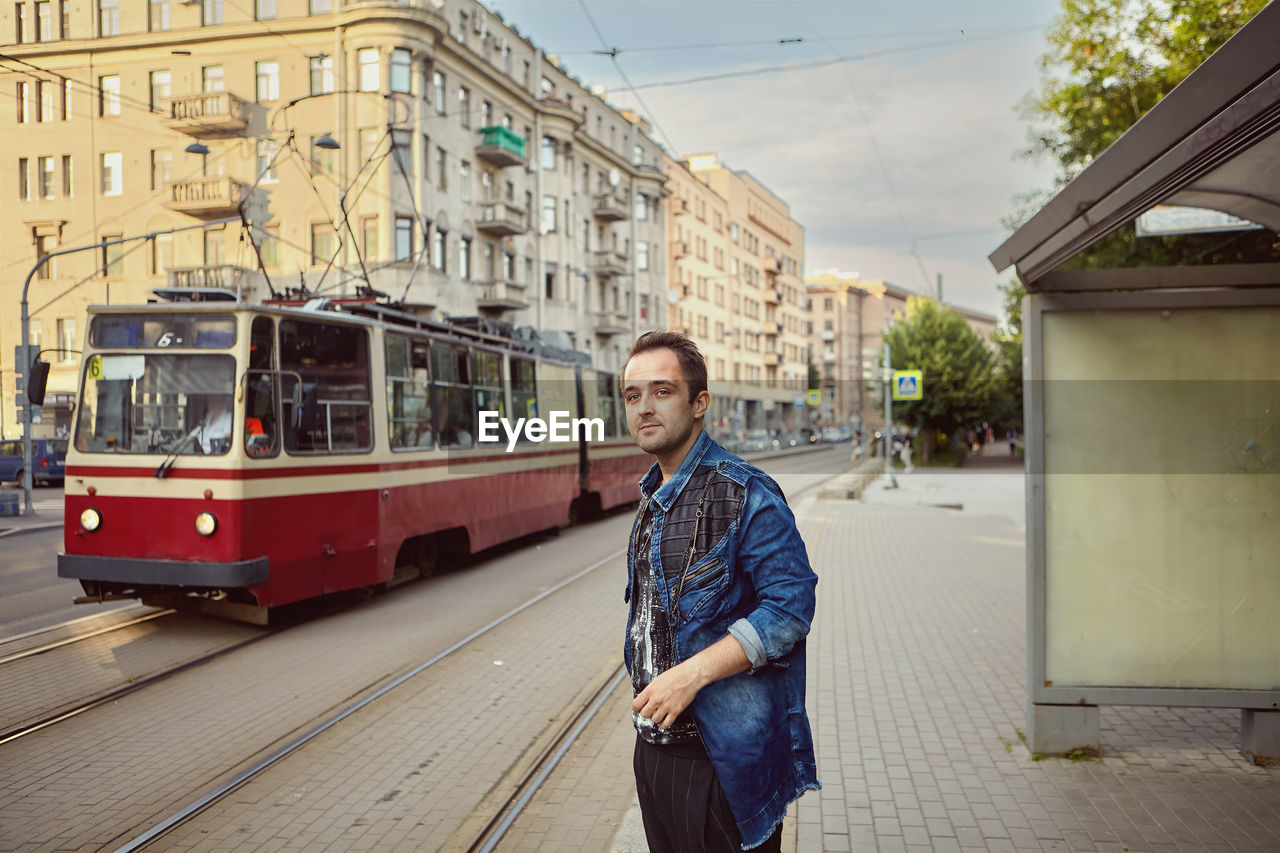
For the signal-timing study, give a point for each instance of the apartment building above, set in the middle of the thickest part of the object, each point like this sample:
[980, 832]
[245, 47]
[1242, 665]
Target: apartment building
[422, 150]
[850, 315]
[736, 261]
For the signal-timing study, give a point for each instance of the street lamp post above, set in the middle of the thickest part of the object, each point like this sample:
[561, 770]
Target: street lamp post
[24, 348]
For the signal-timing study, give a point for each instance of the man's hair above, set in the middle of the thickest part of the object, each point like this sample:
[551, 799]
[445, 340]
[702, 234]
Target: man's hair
[692, 365]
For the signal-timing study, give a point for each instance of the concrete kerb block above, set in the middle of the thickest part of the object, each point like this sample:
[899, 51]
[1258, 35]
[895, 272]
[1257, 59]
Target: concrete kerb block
[1260, 736]
[1060, 729]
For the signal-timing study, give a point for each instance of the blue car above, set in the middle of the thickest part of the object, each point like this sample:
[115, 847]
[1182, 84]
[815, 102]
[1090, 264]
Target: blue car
[48, 460]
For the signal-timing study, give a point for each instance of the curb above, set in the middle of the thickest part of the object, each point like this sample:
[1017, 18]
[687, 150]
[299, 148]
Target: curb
[14, 531]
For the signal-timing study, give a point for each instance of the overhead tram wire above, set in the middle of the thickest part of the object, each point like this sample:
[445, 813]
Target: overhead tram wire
[613, 56]
[124, 100]
[822, 63]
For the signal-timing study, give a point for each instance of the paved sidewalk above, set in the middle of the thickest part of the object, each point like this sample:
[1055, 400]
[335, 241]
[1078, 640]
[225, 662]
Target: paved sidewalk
[917, 697]
[49, 512]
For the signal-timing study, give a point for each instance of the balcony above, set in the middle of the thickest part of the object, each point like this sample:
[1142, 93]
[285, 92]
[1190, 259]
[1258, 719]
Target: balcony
[680, 206]
[500, 146]
[679, 249]
[612, 323]
[772, 359]
[224, 276]
[501, 218]
[212, 114]
[828, 335]
[608, 262]
[772, 327]
[501, 295]
[207, 197]
[771, 266]
[607, 207]
[773, 297]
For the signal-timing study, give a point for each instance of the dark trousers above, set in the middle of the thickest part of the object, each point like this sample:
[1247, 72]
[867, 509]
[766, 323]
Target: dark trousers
[682, 803]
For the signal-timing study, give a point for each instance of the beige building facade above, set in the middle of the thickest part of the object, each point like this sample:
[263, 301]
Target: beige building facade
[423, 151]
[736, 259]
[850, 315]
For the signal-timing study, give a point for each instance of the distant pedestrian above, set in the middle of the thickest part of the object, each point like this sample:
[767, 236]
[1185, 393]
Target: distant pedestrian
[905, 455]
[723, 742]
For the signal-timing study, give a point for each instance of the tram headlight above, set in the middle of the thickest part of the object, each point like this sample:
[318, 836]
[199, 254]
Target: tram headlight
[90, 520]
[206, 523]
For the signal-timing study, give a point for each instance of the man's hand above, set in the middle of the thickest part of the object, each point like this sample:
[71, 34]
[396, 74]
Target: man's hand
[671, 692]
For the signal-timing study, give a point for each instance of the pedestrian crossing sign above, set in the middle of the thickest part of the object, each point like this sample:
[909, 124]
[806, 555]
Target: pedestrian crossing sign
[908, 385]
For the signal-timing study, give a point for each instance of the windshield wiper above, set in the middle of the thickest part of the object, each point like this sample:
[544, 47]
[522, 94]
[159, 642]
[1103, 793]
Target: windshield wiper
[172, 458]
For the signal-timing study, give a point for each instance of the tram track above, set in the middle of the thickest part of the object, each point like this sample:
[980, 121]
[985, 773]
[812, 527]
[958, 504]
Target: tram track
[519, 795]
[77, 638]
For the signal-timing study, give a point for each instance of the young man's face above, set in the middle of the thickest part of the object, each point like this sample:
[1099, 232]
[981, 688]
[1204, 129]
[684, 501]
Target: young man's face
[661, 417]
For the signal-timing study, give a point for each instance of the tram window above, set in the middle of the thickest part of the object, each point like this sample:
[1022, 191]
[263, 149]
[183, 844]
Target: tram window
[156, 403]
[161, 331]
[451, 396]
[325, 387]
[408, 412]
[524, 395]
[488, 384]
[261, 411]
[607, 390]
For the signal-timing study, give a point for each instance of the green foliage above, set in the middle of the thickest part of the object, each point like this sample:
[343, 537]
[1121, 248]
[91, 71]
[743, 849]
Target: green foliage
[1006, 394]
[956, 365]
[1108, 62]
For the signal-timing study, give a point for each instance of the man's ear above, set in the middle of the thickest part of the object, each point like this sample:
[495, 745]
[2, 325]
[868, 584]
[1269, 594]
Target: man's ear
[701, 403]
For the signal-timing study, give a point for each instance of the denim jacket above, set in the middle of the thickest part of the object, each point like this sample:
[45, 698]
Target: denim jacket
[733, 563]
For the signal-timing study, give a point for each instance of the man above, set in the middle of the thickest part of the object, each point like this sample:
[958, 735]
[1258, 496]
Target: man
[721, 597]
[213, 433]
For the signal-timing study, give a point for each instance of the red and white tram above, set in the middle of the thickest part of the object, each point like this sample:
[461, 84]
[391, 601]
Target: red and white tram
[257, 456]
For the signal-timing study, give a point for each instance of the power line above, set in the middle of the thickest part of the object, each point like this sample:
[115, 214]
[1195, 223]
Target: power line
[822, 63]
[773, 42]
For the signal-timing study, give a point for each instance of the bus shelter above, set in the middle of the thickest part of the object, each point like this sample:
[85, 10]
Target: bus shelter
[1152, 408]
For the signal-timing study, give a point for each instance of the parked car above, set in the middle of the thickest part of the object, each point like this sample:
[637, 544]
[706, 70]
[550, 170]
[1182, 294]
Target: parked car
[757, 440]
[48, 460]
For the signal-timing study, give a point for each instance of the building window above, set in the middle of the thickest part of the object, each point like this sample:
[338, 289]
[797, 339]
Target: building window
[112, 259]
[67, 338]
[212, 79]
[213, 243]
[161, 90]
[439, 240]
[158, 18]
[108, 17]
[437, 87]
[24, 180]
[399, 152]
[548, 154]
[549, 280]
[464, 179]
[110, 167]
[45, 174]
[642, 255]
[45, 88]
[546, 90]
[211, 13]
[24, 90]
[269, 246]
[67, 182]
[369, 237]
[161, 168]
[21, 36]
[264, 10]
[642, 207]
[44, 21]
[318, 7]
[464, 106]
[401, 68]
[462, 27]
[464, 258]
[267, 75]
[486, 114]
[506, 59]
[109, 95]
[367, 59]
[548, 223]
[442, 183]
[404, 238]
[266, 155]
[324, 243]
[369, 139]
[322, 159]
[321, 75]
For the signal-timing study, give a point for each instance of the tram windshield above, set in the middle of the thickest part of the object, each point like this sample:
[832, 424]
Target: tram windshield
[156, 403]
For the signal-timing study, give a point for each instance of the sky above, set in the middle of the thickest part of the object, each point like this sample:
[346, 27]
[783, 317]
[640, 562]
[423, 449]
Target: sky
[899, 153]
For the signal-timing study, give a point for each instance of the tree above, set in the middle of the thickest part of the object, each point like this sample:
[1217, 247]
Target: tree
[957, 370]
[1108, 63]
[1006, 394]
